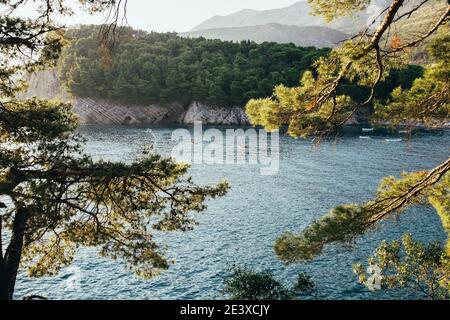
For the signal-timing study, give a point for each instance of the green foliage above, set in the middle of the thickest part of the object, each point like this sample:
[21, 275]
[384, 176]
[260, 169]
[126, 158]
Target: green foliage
[425, 265]
[249, 285]
[427, 101]
[341, 224]
[408, 264]
[332, 9]
[403, 78]
[344, 223]
[359, 73]
[439, 198]
[147, 68]
[305, 286]
[245, 284]
[320, 103]
[292, 106]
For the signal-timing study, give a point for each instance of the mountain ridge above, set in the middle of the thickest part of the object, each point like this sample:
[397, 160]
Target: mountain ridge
[297, 14]
[316, 36]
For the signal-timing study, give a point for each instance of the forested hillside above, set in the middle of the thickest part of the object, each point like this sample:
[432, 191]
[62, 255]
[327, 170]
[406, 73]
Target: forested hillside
[162, 68]
[154, 68]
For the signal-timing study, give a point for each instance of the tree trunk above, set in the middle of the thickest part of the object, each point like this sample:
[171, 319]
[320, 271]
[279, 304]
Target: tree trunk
[14, 250]
[3, 277]
[3, 282]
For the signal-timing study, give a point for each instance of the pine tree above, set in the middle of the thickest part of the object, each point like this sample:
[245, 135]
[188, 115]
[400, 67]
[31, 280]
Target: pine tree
[55, 199]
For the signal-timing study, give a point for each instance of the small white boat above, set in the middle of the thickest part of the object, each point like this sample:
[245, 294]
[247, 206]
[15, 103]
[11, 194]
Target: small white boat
[368, 129]
[394, 140]
[403, 131]
[365, 137]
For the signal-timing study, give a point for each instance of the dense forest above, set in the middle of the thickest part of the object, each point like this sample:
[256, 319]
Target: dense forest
[162, 68]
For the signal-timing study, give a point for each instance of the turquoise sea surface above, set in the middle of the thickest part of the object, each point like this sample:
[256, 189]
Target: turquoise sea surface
[241, 227]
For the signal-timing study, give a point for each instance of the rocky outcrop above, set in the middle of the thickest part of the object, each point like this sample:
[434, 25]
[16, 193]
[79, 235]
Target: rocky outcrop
[45, 84]
[91, 111]
[215, 115]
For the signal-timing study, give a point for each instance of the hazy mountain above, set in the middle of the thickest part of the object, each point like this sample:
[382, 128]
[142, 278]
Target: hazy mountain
[295, 24]
[273, 32]
[297, 14]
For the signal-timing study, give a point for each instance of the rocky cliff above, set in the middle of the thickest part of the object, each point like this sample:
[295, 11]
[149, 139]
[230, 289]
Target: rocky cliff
[215, 115]
[45, 84]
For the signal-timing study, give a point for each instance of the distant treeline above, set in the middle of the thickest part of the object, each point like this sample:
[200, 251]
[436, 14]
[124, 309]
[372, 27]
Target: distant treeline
[161, 68]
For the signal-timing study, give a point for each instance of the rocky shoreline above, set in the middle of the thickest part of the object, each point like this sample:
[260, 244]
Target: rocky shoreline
[45, 84]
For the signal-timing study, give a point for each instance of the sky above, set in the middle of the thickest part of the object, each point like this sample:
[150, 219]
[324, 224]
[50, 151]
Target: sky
[173, 15]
